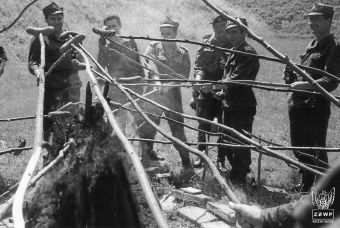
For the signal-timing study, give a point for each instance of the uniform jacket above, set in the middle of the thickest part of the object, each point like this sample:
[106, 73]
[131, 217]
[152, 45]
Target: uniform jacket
[323, 55]
[60, 76]
[208, 60]
[178, 61]
[240, 67]
[117, 65]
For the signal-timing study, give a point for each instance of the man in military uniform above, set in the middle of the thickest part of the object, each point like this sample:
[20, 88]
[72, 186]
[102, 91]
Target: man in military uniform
[3, 60]
[238, 102]
[117, 65]
[208, 67]
[309, 114]
[177, 58]
[63, 84]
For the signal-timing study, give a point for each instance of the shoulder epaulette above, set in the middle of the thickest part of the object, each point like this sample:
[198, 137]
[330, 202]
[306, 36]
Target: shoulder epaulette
[206, 37]
[249, 48]
[154, 43]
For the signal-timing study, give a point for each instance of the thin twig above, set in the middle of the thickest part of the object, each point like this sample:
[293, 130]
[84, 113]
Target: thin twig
[237, 146]
[11, 150]
[296, 149]
[18, 17]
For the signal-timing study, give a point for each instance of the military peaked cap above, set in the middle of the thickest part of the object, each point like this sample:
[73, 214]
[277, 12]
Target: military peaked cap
[52, 9]
[231, 24]
[219, 19]
[322, 9]
[168, 22]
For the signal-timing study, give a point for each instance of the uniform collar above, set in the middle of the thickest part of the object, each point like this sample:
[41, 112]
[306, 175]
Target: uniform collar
[160, 46]
[244, 43]
[314, 44]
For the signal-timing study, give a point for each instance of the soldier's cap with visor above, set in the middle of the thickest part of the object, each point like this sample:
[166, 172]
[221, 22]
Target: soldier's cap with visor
[321, 9]
[231, 24]
[52, 9]
[219, 19]
[168, 22]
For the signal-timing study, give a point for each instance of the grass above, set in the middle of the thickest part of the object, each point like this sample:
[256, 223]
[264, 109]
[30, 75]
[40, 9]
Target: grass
[18, 90]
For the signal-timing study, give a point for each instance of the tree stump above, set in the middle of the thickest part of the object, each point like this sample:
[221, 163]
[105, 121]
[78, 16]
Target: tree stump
[94, 186]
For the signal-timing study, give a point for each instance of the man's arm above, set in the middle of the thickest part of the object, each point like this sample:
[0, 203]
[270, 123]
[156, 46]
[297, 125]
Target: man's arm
[151, 52]
[137, 58]
[102, 57]
[187, 65]
[198, 69]
[34, 57]
[279, 217]
[332, 67]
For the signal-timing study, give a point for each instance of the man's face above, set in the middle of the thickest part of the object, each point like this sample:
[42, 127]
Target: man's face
[219, 28]
[235, 36]
[319, 24]
[113, 25]
[168, 33]
[56, 21]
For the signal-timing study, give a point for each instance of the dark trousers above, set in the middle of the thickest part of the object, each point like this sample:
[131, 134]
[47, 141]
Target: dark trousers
[208, 108]
[308, 128]
[172, 98]
[239, 159]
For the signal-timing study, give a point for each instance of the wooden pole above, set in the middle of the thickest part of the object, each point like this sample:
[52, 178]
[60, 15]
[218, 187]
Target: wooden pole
[237, 146]
[18, 217]
[140, 172]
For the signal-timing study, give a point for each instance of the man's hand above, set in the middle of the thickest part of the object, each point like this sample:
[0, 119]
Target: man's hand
[247, 216]
[37, 74]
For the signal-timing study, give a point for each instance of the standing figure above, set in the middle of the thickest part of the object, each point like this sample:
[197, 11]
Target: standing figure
[117, 65]
[63, 84]
[208, 67]
[309, 114]
[177, 58]
[3, 60]
[238, 102]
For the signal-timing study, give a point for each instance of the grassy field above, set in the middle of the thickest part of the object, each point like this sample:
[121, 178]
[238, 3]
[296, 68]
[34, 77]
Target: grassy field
[18, 90]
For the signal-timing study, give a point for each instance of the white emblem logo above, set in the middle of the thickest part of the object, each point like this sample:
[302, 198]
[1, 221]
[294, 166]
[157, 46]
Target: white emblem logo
[323, 200]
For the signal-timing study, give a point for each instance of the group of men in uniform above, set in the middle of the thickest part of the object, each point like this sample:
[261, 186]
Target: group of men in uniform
[233, 106]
